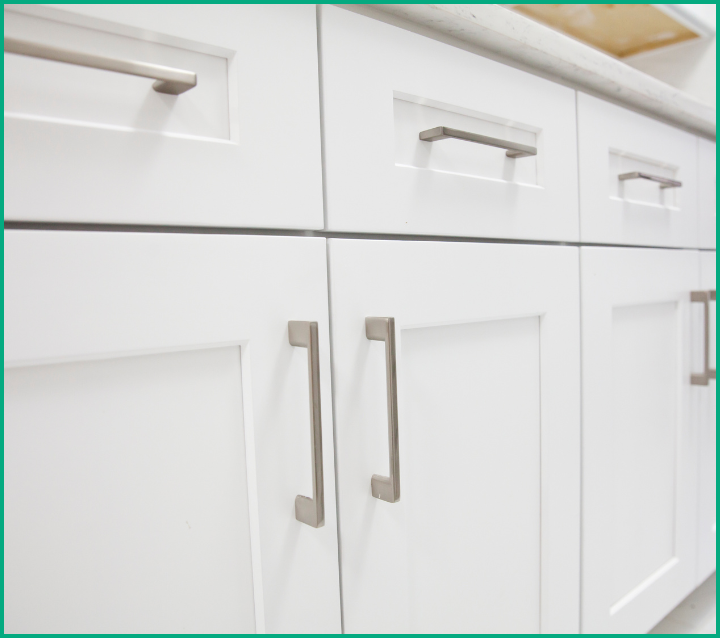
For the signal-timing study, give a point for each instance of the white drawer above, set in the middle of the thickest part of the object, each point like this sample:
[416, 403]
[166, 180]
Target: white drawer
[706, 193]
[383, 86]
[241, 148]
[634, 210]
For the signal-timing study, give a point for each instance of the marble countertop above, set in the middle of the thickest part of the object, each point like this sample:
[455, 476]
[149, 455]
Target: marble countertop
[513, 36]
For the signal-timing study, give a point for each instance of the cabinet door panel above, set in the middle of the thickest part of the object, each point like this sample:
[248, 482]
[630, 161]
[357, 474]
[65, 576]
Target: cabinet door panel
[638, 439]
[705, 400]
[157, 434]
[90, 145]
[488, 408]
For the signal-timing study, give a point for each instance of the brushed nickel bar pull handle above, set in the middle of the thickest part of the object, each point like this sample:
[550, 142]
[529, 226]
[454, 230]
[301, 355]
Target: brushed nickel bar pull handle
[704, 297]
[710, 371]
[514, 149]
[387, 488]
[665, 182]
[167, 79]
[311, 511]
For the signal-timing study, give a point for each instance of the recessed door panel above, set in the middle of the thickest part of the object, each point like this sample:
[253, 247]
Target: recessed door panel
[644, 373]
[126, 501]
[473, 461]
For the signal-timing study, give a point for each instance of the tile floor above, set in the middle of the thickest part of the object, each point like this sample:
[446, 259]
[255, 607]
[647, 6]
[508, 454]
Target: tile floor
[694, 615]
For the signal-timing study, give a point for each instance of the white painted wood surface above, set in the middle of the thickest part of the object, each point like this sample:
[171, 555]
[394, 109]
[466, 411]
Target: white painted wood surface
[707, 478]
[126, 497]
[485, 537]
[156, 421]
[706, 193]
[383, 85]
[157, 433]
[240, 149]
[639, 441]
[613, 141]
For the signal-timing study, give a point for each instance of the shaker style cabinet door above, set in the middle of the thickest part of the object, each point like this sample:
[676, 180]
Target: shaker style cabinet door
[158, 435]
[706, 193]
[638, 178]
[456, 375]
[639, 442]
[421, 137]
[163, 114]
[705, 400]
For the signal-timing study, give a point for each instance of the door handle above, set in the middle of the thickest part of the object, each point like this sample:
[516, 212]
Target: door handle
[167, 79]
[704, 297]
[311, 511]
[513, 149]
[665, 182]
[387, 488]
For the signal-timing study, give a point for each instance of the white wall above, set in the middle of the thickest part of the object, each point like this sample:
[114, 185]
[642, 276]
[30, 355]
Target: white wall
[689, 66]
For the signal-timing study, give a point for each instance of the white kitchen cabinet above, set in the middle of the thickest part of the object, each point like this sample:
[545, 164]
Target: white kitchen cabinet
[157, 434]
[707, 424]
[241, 148]
[383, 86]
[706, 193]
[484, 347]
[639, 441]
[638, 178]
[169, 441]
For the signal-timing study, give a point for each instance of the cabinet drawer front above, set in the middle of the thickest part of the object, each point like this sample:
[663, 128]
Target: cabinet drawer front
[157, 435]
[638, 178]
[482, 447]
[706, 193]
[240, 148]
[639, 443]
[383, 86]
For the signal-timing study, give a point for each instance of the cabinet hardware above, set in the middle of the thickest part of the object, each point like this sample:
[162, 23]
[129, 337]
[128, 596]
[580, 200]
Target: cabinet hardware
[311, 511]
[167, 79]
[665, 182]
[514, 149]
[387, 488]
[704, 297]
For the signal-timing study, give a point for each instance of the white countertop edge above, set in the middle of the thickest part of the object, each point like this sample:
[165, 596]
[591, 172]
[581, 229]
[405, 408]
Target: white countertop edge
[516, 37]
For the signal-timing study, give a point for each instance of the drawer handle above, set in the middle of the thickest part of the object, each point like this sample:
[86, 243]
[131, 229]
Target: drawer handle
[664, 182]
[387, 488]
[704, 297]
[168, 80]
[514, 149]
[311, 511]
